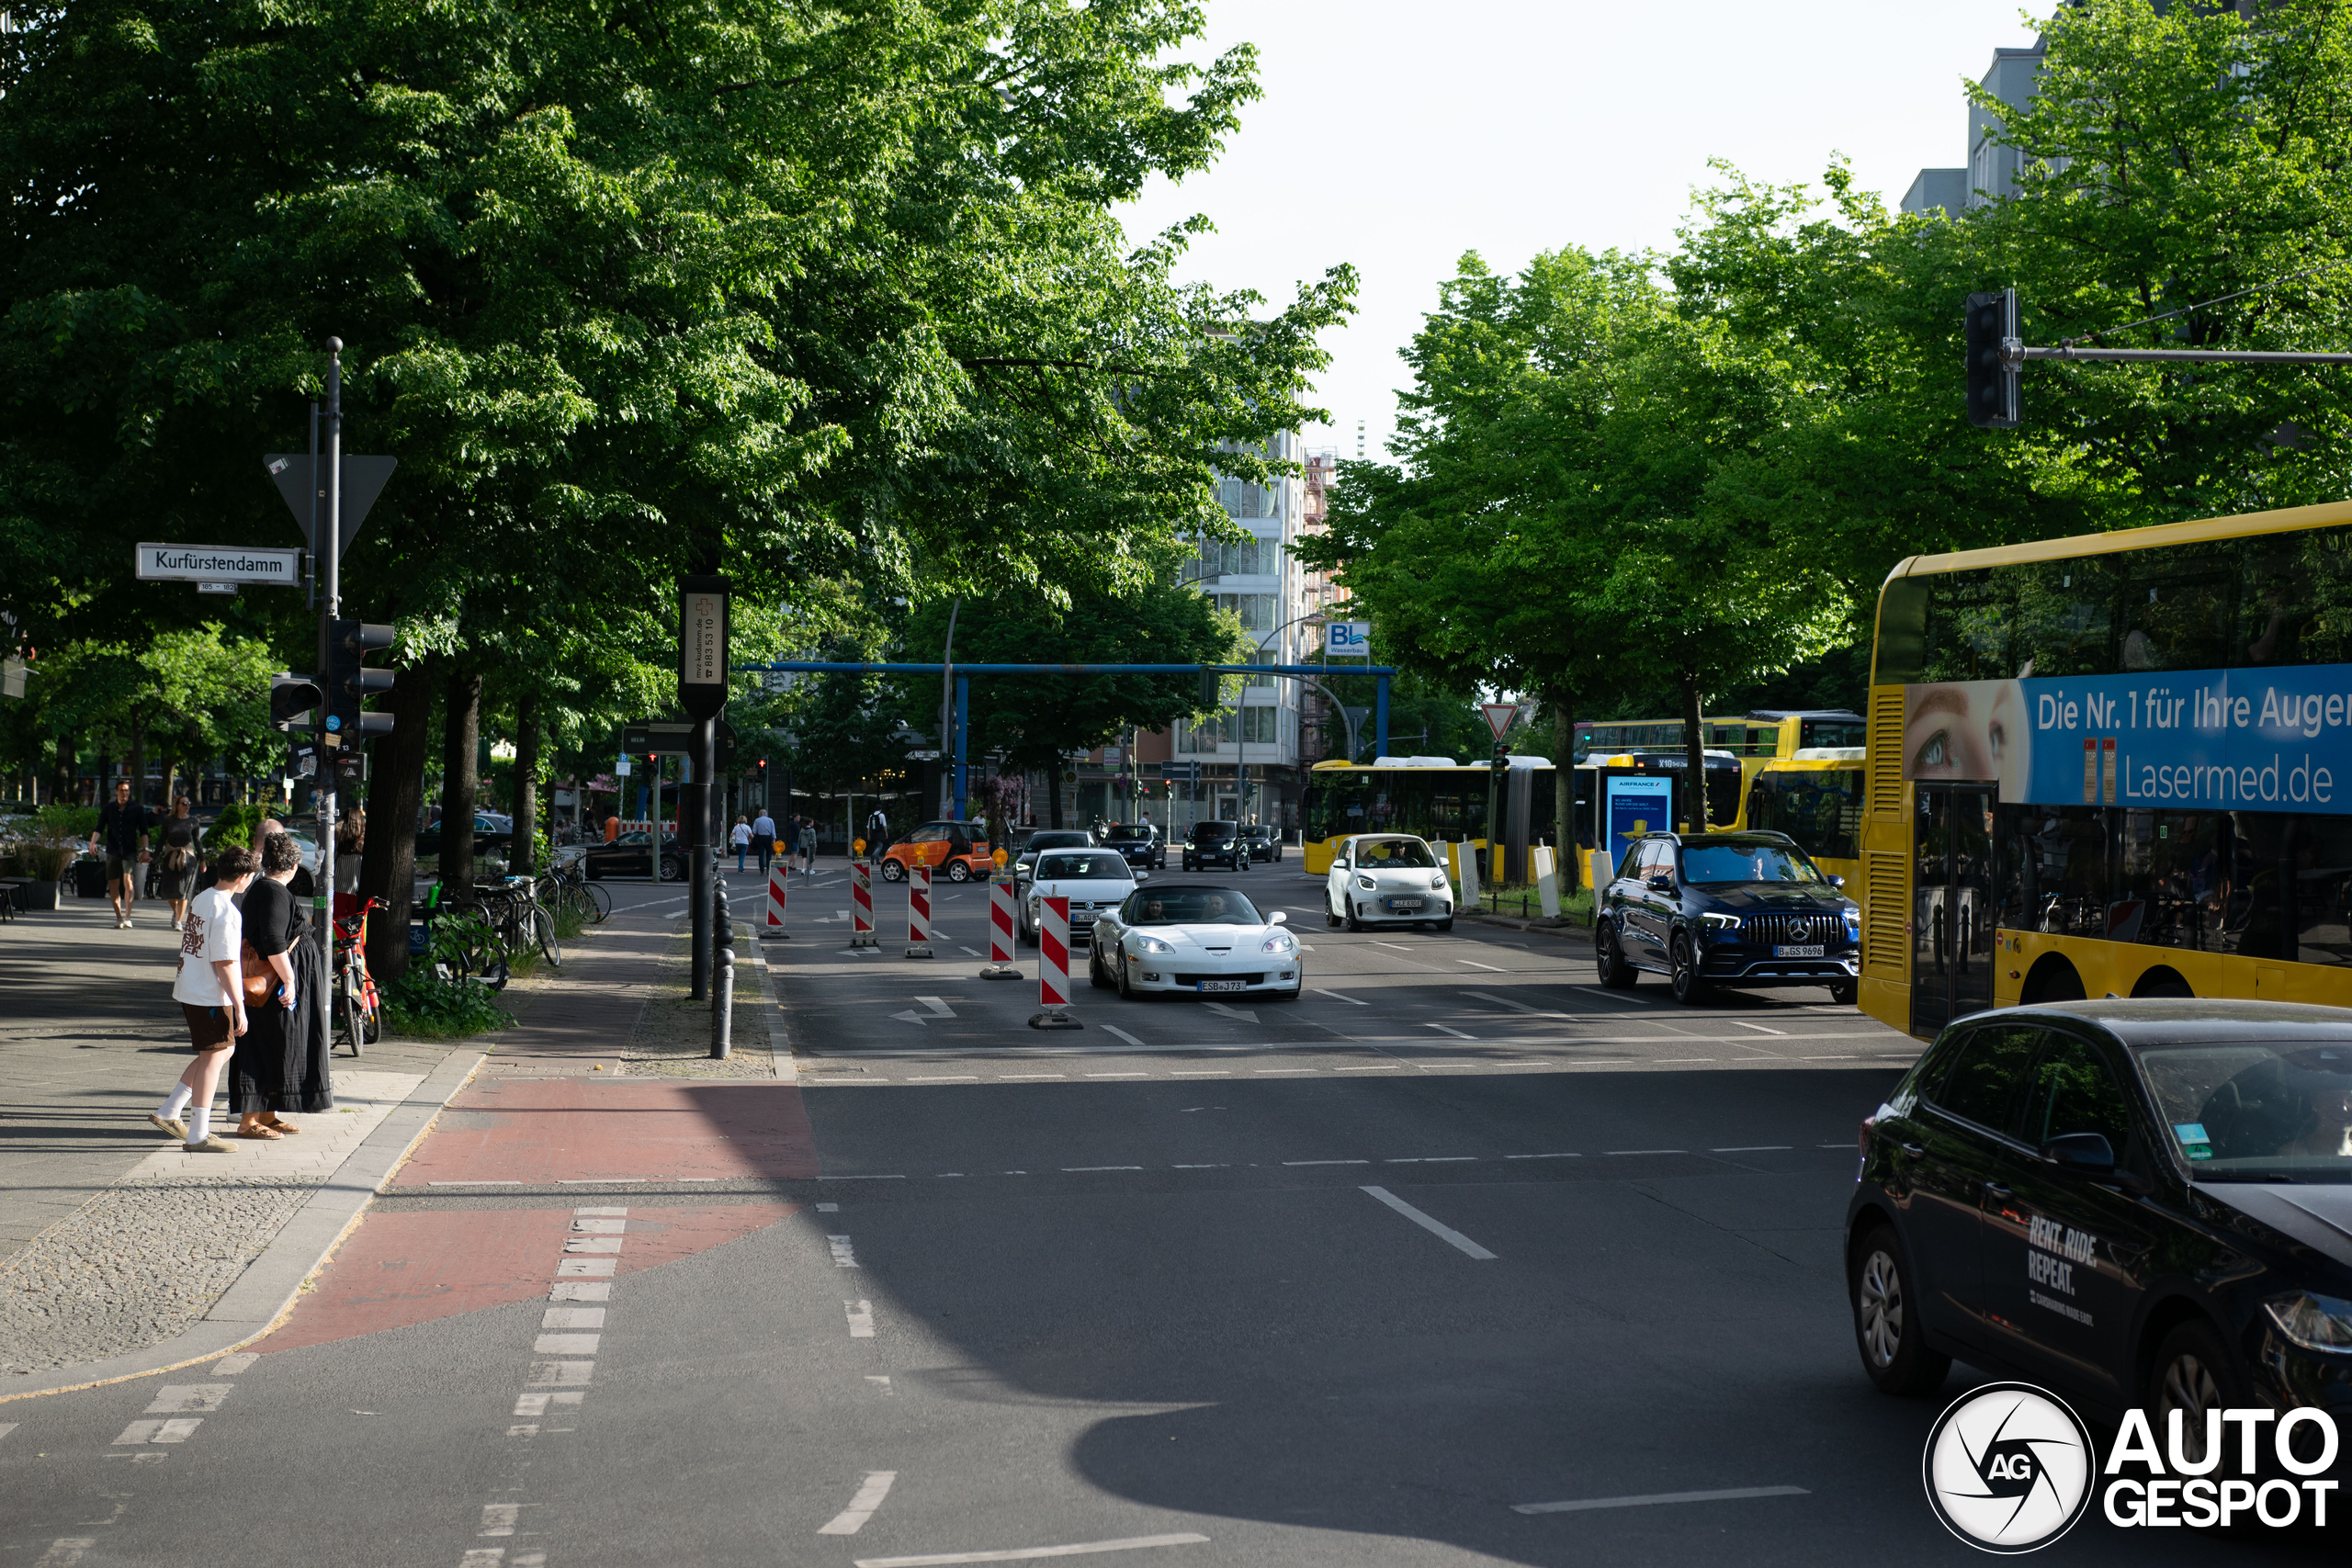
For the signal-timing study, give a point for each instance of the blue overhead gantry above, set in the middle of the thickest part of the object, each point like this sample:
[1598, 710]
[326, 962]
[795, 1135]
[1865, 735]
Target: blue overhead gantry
[959, 719]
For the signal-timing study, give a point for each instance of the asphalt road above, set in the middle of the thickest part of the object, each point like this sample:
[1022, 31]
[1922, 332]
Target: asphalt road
[1365, 1279]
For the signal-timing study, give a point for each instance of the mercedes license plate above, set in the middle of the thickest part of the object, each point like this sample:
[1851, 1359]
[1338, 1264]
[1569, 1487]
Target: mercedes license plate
[1811, 951]
[1404, 903]
[1224, 986]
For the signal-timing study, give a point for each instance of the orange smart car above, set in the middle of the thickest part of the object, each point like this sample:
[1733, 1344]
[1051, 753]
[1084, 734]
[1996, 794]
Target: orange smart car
[948, 848]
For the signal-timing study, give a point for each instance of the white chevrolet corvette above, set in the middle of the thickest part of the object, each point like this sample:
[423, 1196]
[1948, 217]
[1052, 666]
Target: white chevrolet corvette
[1197, 936]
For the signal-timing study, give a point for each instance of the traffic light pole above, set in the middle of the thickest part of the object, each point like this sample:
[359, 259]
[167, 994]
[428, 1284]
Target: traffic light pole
[327, 541]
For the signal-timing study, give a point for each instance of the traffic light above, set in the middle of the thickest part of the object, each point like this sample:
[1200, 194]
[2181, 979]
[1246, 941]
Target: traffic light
[1992, 386]
[349, 680]
[1501, 759]
[1211, 695]
[293, 701]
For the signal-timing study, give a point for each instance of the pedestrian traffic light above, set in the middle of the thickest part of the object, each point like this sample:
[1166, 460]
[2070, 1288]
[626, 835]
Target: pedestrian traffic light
[1992, 384]
[349, 680]
[293, 700]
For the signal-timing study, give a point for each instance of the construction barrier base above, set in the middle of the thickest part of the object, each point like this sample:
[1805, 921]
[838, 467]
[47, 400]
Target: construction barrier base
[1054, 1019]
[921, 950]
[1000, 972]
[866, 940]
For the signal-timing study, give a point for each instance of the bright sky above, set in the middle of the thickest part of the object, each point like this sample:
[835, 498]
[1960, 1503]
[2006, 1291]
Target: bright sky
[1397, 134]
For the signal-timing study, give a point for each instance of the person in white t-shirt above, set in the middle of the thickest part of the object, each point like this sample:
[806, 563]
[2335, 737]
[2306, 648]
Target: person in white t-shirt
[741, 839]
[211, 994]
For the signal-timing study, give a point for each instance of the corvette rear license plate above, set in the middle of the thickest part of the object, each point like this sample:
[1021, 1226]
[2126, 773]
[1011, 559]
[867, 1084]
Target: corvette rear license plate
[1224, 986]
[1404, 903]
[1813, 951]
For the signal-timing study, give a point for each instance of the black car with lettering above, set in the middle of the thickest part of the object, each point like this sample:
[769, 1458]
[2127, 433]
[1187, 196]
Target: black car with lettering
[1215, 843]
[2140, 1202]
[1743, 910]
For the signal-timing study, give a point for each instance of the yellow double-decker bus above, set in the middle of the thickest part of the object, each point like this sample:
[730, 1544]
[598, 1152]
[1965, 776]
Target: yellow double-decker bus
[2113, 765]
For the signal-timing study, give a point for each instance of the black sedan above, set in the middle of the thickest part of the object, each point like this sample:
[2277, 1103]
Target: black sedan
[1739, 909]
[2143, 1202]
[1139, 842]
[1215, 843]
[631, 854]
[1264, 843]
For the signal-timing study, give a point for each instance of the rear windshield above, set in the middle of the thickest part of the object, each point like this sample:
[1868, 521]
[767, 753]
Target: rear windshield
[1730, 864]
[1211, 832]
[2249, 1111]
[1058, 840]
[1410, 853]
[1127, 832]
[1061, 866]
[1192, 906]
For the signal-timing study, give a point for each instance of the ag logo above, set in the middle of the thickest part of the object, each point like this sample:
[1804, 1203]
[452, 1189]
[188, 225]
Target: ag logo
[335, 722]
[2009, 1468]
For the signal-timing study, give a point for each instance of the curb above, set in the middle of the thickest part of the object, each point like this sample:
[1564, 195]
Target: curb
[779, 1041]
[1562, 927]
[273, 1281]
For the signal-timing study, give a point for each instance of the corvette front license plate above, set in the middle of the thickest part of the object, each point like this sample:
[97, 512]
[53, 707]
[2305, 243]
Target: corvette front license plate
[1813, 951]
[1404, 903]
[1223, 986]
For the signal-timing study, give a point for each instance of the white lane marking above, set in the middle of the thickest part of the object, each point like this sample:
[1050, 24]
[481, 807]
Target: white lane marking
[1515, 1007]
[583, 1226]
[852, 1519]
[1649, 1151]
[1030, 1553]
[1670, 1061]
[1489, 968]
[536, 1403]
[845, 1257]
[1397, 945]
[1202, 1072]
[500, 1518]
[592, 1243]
[7, 1427]
[1542, 1157]
[828, 1207]
[66, 1550]
[573, 1317]
[484, 1557]
[1443, 1232]
[1757, 1027]
[1376, 1067]
[1118, 1074]
[1073, 1169]
[895, 1177]
[974, 951]
[562, 1374]
[861, 1319]
[1340, 996]
[1431, 1159]
[1200, 1168]
[949, 1078]
[585, 1268]
[1029, 1077]
[1753, 1148]
[159, 1432]
[1297, 1162]
[601, 1181]
[1449, 1030]
[582, 1291]
[1614, 995]
[180, 1399]
[872, 1378]
[1727, 1494]
[230, 1366]
[938, 1005]
[565, 1344]
[1114, 1028]
[473, 1184]
[1246, 1015]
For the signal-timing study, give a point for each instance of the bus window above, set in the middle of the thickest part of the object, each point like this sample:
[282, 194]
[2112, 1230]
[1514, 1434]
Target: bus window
[1821, 809]
[1812, 732]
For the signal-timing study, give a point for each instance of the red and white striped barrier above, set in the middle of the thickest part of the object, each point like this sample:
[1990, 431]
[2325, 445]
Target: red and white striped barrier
[1000, 965]
[918, 912]
[1053, 966]
[774, 925]
[860, 904]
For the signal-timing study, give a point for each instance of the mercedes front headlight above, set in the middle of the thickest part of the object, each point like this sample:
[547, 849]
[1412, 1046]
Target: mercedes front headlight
[2316, 1323]
[1719, 922]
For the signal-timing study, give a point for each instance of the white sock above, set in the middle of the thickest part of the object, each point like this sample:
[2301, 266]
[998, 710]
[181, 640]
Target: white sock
[176, 1101]
[199, 1123]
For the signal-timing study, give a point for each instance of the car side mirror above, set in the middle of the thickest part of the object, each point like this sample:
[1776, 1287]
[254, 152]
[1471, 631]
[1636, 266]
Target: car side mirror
[1661, 883]
[2088, 1154]
[1836, 882]
[1278, 919]
[1143, 876]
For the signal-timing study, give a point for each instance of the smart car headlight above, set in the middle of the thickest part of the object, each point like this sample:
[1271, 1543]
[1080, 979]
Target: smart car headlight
[1437, 881]
[1367, 883]
[2316, 1323]
[1153, 944]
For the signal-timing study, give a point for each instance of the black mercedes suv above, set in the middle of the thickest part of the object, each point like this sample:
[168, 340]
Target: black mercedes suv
[1744, 910]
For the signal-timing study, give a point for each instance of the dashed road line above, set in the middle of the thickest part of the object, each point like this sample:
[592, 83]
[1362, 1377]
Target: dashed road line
[1653, 1499]
[1437, 1228]
[1489, 968]
[1031, 1553]
[861, 1319]
[868, 1497]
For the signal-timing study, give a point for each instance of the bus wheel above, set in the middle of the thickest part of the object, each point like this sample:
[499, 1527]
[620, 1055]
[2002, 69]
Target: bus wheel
[2052, 979]
[2163, 981]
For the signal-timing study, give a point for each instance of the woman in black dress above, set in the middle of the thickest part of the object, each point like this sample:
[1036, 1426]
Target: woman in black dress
[281, 1061]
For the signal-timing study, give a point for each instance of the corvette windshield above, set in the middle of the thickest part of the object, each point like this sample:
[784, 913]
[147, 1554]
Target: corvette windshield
[1723, 866]
[2252, 1111]
[1057, 867]
[1192, 907]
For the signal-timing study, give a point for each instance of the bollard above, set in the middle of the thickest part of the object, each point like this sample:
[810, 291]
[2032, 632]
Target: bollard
[722, 1015]
[722, 941]
[861, 905]
[778, 881]
[918, 912]
[1001, 966]
[1053, 966]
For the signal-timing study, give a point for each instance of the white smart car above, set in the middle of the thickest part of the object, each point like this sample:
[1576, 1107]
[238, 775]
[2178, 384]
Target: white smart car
[1387, 879]
[1197, 936]
[1093, 880]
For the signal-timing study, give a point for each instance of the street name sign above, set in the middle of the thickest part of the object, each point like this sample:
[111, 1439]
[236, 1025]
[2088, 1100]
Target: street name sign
[217, 563]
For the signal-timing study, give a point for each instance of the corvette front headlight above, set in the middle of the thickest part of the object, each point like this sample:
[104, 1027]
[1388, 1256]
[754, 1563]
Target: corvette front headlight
[1152, 945]
[1278, 942]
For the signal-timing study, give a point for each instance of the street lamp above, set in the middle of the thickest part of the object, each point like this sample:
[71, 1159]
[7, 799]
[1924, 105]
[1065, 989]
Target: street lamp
[1241, 709]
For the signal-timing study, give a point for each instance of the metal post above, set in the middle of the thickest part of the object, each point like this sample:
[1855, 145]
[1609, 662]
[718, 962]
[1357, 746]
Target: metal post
[328, 541]
[1380, 718]
[963, 715]
[693, 810]
[723, 990]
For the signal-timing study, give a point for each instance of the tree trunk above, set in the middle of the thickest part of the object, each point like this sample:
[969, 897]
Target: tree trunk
[522, 858]
[1564, 791]
[460, 778]
[1695, 750]
[1053, 795]
[395, 801]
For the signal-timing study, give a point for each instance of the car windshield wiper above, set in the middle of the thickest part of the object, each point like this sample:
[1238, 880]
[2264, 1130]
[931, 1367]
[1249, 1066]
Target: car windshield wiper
[2297, 1176]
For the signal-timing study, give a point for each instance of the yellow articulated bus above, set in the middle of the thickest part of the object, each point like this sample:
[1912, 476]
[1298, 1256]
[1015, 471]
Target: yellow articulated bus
[1763, 732]
[2113, 765]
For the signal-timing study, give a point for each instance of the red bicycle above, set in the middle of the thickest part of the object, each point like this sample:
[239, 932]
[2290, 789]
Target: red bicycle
[358, 1012]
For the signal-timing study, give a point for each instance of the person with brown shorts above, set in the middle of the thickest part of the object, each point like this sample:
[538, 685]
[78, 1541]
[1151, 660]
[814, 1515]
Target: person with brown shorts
[212, 995]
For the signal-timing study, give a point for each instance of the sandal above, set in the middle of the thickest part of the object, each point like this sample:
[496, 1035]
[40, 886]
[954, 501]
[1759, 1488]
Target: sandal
[284, 1129]
[260, 1133]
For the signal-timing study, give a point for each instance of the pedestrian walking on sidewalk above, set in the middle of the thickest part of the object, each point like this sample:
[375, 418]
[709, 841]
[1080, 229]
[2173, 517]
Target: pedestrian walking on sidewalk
[211, 995]
[350, 844]
[741, 839]
[123, 823]
[281, 1063]
[763, 838]
[877, 833]
[176, 862]
[809, 846]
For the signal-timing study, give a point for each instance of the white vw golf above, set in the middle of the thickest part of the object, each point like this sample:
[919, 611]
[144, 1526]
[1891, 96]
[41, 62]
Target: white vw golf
[1093, 880]
[1387, 879]
[1198, 937]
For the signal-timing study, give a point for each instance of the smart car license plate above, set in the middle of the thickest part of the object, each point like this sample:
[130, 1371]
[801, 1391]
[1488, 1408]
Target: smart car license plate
[1404, 903]
[1224, 986]
[1813, 951]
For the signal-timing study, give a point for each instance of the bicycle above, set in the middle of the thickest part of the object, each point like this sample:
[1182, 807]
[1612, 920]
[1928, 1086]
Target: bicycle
[358, 1011]
[513, 907]
[567, 889]
[461, 942]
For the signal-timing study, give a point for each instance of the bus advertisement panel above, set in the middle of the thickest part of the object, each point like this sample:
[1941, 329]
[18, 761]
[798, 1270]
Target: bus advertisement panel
[1638, 804]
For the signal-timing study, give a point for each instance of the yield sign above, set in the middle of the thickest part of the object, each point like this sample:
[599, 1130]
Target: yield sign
[363, 480]
[1498, 717]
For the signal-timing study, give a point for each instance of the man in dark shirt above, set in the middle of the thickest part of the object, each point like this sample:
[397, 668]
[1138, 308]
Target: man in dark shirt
[123, 824]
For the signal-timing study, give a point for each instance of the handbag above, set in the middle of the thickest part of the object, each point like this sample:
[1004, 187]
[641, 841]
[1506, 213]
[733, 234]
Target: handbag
[260, 979]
